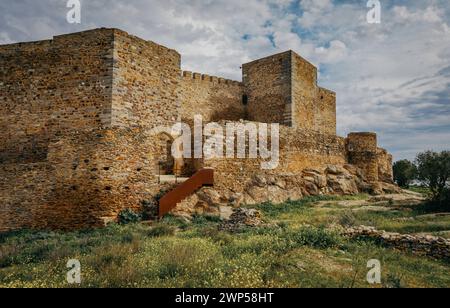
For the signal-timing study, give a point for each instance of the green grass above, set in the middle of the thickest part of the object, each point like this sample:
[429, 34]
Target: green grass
[296, 249]
[420, 189]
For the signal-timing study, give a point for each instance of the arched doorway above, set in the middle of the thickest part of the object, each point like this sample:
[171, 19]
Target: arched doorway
[167, 164]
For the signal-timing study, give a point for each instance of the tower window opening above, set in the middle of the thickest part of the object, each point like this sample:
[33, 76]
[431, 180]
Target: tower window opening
[245, 99]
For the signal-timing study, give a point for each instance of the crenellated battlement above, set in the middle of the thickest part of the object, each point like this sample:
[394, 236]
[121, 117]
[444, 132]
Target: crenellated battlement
[188, 76]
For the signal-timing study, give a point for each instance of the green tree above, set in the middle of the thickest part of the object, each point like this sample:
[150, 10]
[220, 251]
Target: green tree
[404, 172]
[434, 170]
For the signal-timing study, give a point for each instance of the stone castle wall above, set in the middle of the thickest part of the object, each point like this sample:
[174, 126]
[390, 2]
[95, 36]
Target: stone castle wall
[299, 150]
[51, 87]
[145, 83]
[313, 107]
[385, 170]
[304, 93]
[76, 114]
[211, 97]
[87, 180]
[23, 188]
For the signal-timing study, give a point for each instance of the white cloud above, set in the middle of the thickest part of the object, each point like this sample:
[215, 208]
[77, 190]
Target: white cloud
[287, 40]
[430, 14]
[336, 52]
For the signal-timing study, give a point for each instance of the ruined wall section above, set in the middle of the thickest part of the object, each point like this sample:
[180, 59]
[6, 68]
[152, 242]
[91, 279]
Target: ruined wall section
[302, 149]
[213, 98]
[268, 86]
[146, 83]
[363, 152]
[51, 87]
[299, 150]
[385, 169]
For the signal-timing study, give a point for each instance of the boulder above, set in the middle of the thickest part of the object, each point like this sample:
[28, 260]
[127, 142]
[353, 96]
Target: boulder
[320, 181]
[259, 180]
[210, 196]
[336, 170]
[342, 185]
[352, 169]
[311, 172]
[276, 194]
[311, 188]
[257, 194]
[236, 199]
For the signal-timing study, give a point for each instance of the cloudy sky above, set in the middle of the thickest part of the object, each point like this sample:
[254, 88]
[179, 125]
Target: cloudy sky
[392, 78]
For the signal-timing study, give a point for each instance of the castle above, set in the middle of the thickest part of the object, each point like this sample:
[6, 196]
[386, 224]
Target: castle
[77, 119]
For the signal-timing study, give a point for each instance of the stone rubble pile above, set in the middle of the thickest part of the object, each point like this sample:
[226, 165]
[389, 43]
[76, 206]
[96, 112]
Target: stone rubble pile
[425, 245]
[242, 218]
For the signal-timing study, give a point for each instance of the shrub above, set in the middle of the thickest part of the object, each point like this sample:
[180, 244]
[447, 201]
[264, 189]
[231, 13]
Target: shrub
[316, 237]
[128, 216]
[445, 198]
[150, 209]
[205, 219]
[393, 281]
[223, 238]
[161, 230]
[347, 219]
[404, 172]
[441, 203]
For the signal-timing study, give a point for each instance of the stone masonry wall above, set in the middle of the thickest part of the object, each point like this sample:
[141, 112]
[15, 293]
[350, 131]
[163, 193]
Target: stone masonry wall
[304, 93]
[325, 120]
[299, 150]
[145, 83]
[211, 97]
[88, 179]
[314, 108]
[23, 188]
[50, 87]
[362, 149]
[385, 170]
[422, 245]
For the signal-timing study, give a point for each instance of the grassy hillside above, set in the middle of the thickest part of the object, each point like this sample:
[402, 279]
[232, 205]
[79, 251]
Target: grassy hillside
[299, 247]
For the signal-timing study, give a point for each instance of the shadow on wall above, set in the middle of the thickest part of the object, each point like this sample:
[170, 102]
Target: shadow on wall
[225, 112]
[33, 150]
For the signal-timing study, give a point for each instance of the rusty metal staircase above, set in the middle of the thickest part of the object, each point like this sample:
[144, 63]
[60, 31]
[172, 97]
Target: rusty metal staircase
[203, 177]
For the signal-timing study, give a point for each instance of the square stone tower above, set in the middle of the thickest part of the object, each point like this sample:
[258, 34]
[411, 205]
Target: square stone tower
[283, 89]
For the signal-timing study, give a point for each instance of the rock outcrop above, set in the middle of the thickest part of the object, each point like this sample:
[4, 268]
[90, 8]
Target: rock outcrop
[333, 180]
